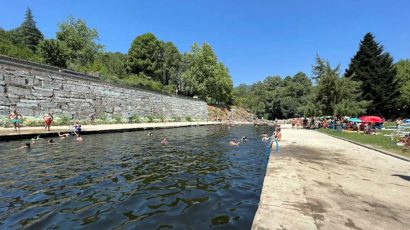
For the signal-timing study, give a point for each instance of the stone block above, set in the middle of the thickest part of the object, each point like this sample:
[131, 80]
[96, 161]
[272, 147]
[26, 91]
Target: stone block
[11, 79]
[40, 92]
[16, 90]
[47, 84]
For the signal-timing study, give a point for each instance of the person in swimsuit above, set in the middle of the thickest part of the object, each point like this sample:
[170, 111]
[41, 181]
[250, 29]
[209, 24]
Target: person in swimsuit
[77, 127]
[278, 134]
[16, 119]
[48, 118]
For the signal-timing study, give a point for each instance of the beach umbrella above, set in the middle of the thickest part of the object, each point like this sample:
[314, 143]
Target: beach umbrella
[374, 119]
[354, 119]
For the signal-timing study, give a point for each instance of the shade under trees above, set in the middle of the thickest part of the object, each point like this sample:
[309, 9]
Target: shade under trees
[374, 69]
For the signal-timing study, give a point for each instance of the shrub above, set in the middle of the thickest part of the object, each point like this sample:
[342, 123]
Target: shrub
[117, 119]
[176, 119]
[65, 120]
[150, 119]
[135, 118]
[162, 118]
[188, 118]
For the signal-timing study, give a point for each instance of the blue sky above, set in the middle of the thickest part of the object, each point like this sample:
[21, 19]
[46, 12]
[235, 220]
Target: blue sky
[254, 39]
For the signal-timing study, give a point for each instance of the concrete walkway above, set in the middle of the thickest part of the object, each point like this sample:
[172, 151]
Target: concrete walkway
[320, 182]
[10, 133]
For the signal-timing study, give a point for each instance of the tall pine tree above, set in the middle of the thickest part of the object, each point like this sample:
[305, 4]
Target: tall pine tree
[29, 34]
[374, 69]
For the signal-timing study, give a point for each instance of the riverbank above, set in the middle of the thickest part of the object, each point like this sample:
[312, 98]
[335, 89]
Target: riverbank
[29, 132]
[320, 182]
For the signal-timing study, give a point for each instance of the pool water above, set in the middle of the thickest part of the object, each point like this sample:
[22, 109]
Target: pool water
[130, 181]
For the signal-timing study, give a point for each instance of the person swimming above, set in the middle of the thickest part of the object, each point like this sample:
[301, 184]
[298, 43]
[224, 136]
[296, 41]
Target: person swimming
[244, 138]
[164, 141]
[149, 134]
[36, 138]
[64, 135]
[234, 142]
[78, 137]
[50, 141]
[26, 146]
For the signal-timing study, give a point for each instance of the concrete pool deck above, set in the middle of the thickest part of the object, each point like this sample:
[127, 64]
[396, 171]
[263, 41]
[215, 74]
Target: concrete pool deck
[320, 182]
[28, 132]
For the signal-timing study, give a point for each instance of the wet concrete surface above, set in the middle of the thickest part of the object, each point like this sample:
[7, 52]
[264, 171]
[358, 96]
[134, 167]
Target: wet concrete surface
[319, 182]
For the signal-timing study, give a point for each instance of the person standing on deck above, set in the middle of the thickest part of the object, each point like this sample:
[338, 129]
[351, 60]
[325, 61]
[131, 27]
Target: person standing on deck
[48, 119]
[16, 119]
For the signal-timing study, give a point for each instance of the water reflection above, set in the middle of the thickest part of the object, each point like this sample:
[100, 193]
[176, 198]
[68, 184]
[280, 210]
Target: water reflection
[130, 180]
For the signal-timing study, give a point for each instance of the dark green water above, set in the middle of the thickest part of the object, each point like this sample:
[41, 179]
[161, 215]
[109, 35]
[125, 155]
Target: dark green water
[131, 181]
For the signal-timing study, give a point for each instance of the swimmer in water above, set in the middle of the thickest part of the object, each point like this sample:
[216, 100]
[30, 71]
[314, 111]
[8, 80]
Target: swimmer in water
[25, 146]
[264, 135]
[78, 138]
[36, 138]
[51, 141]
[64, 135]
[164, 141]
[234, 142]
[265, 138]
[245, 138]
[149, 134]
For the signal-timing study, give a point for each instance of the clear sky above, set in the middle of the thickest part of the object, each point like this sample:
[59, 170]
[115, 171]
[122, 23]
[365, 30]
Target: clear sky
[254, 39]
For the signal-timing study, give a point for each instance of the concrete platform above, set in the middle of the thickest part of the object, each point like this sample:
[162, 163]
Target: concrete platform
[320, 182]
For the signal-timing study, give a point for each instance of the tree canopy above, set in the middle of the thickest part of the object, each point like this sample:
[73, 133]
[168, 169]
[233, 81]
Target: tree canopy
[403, 80]
[28, 34]
[373, 68]
[205, 76]
[80, 40]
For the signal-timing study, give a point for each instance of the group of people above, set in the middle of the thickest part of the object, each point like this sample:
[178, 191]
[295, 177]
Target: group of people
[236, 142]
[276, 135]
[76, 133]
[307, 123]
[17, 119]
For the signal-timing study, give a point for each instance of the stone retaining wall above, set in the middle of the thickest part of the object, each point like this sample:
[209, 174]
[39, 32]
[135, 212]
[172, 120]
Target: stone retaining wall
[34, 92]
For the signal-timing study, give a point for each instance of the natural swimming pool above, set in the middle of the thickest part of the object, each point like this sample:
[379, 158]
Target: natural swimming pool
[131, 181]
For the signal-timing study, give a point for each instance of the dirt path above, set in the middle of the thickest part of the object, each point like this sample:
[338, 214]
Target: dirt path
[320, 182]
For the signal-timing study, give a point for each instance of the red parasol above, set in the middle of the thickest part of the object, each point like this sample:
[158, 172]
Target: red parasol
[374, 119]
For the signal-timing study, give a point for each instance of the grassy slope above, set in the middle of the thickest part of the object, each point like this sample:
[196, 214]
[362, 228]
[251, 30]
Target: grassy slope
[378, 141]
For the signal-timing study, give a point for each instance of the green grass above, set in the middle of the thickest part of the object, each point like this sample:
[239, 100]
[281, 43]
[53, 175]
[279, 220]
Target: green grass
[378, 141]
